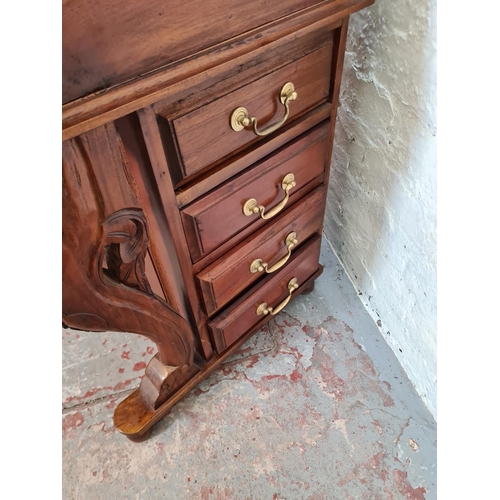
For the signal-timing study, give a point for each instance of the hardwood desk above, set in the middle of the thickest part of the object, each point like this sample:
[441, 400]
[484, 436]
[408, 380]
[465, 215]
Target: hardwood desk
[197, 139]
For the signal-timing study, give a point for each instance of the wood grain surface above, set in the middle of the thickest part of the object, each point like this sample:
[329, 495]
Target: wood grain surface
[229, 275]
[216, 217]
[205, 136]
[145, 35]
[234, 321]
[104, 106]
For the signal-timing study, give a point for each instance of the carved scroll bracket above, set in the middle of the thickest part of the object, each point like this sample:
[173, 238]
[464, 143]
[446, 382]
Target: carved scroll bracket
[105, 287]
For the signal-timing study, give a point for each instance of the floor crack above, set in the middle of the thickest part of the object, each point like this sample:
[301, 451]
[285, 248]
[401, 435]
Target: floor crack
[397, 439]
[67, 409]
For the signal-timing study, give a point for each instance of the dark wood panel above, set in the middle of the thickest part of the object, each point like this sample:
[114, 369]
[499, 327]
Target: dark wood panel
[229, 275]
[205, 135]
[241, 316]
[216, 217]
[145, 35]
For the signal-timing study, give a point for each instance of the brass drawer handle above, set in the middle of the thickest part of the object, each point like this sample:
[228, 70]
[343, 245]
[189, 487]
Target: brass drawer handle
[263, 309]
[257, 266]
[240, 118]
[251, 207]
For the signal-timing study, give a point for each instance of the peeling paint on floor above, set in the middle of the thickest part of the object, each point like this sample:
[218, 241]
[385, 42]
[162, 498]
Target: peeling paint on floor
[314, 406]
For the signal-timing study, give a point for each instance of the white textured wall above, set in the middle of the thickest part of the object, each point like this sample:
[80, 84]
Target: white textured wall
[381, 213]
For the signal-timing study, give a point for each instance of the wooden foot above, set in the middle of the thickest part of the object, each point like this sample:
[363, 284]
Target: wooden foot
[140, 438]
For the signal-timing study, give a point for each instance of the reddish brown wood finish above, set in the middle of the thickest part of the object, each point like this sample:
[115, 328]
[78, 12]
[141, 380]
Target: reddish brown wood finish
[105, 243]
[218, 216]
[249, 230]
[222, 80]
[160, 248]
[229, 275]
[102, 107]
[163, 184]
[231, 324]
[205, 136]
[145, 35]
[216, 87]
[153, 277]
[255, 152]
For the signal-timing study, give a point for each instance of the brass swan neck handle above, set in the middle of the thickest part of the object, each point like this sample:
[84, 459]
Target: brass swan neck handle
[240, 117]
[251, 206]
[264, 309]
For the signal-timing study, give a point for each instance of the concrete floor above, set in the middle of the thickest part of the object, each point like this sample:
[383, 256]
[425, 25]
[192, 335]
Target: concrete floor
[314, 406]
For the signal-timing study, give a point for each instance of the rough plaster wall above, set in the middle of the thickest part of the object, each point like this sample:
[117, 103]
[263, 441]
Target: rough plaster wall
[381, 214]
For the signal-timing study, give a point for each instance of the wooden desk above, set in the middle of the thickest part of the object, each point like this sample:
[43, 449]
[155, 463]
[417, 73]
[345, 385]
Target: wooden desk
[197, 140]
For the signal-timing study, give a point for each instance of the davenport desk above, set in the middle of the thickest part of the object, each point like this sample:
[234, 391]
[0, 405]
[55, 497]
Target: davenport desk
[197, 139]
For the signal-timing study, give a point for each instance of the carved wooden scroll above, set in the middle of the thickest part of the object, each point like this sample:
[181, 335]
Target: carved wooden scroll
[105, 240]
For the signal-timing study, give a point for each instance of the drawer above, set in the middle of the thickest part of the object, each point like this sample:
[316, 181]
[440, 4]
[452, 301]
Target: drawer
[219, 215]
[266, 251]
[272, 292]
[205, 135]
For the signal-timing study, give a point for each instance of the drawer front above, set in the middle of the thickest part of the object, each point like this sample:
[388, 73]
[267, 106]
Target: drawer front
[205, 135]
[272, 292]
[265, 252]
[218, 216]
